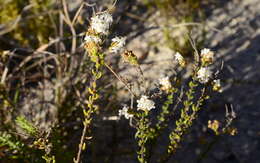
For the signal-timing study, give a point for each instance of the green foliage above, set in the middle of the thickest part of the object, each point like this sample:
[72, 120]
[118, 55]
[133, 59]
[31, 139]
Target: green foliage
[144, 134]
[185, 120]
[31, 31]
[28, 127]
[181, 9]
[163, 116]
[49, 159]
[9, 9]
[7, 140]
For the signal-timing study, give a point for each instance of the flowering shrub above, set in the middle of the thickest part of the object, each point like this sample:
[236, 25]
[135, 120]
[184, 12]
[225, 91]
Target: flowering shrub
[80, 92]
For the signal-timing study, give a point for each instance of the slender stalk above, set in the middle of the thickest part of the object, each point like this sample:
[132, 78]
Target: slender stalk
[81, 143]
[120, 79]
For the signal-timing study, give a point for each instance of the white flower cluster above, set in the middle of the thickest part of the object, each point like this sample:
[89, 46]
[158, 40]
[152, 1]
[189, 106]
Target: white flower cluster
[124, 112]
[91, 38]
[145, 104]
[207, 55]
[179, 58]
[165, 83]
[101, 23]
[118, 44]
[204, 74]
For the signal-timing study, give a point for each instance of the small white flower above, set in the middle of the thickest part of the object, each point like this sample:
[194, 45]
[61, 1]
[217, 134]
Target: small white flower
[207, 55]
[208, 52]
[118, 43]
[217, 82]
[124, 112]
[217, 85]
[101, 23]
[179, 58]
[204, 74]
[165, 83]
[95, 39]
[145, 104]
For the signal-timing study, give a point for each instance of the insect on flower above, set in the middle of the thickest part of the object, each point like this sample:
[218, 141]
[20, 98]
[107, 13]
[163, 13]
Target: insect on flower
[130, 57]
